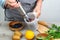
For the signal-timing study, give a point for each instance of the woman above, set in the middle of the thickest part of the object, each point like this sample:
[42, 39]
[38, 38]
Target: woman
[12, 14]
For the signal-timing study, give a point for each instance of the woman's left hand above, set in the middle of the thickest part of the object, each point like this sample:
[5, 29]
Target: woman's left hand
[38, 11]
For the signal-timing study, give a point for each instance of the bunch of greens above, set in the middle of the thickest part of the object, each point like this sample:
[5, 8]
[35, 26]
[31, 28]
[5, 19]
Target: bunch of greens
[53, 32]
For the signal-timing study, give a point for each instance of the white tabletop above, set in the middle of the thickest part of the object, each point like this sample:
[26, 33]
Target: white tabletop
[6, 33]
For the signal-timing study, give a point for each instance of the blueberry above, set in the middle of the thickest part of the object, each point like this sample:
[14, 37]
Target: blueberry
[17, 25]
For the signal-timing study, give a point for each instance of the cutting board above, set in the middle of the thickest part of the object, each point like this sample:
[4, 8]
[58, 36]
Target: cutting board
[42, 27]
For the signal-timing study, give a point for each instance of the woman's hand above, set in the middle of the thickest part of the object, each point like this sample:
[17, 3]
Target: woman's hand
[12, 4]
[37, 10]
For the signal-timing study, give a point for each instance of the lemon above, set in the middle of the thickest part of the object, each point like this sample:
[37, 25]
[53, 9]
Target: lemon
[29, 34]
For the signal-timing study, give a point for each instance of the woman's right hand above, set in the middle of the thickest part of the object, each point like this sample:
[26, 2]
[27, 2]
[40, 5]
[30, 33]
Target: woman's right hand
[12, 4]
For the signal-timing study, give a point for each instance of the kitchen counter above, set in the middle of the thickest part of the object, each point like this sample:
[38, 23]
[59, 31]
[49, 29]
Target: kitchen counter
[6, 33]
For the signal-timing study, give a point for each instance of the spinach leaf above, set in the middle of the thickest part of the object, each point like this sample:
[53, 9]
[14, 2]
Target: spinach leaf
[54, 26]
[58, 28]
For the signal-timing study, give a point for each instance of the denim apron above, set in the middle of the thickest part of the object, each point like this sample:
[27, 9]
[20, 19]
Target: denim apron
[14, 15]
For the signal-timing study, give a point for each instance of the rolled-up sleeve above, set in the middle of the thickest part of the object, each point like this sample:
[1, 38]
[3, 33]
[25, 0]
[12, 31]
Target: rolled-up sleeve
[2, 3]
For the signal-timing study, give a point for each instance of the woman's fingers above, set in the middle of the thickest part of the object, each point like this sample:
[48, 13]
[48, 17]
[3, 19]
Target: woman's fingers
[37, 13]
[12, 4]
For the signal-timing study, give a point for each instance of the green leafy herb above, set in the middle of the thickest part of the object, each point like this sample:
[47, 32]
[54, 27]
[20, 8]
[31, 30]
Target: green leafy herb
[54, 26]
[54, 31]
[58, 28]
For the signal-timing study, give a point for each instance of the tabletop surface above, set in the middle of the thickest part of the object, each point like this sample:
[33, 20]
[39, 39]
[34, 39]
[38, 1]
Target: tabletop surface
[6, 33]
